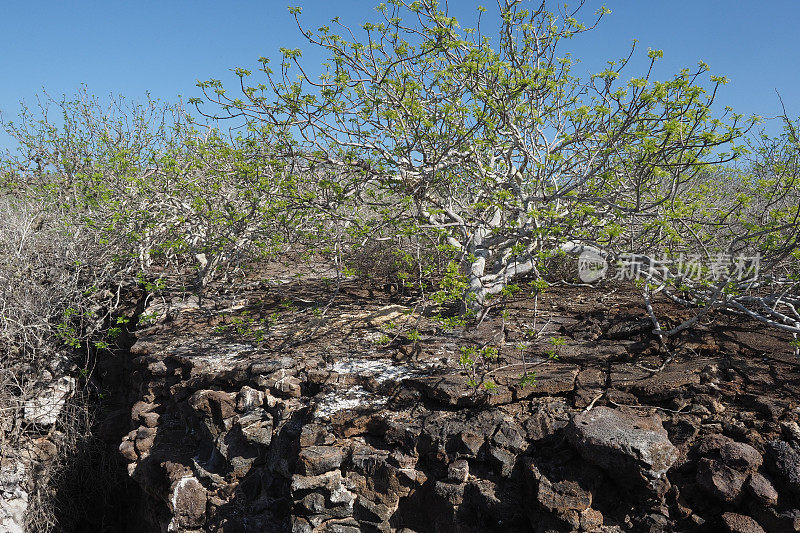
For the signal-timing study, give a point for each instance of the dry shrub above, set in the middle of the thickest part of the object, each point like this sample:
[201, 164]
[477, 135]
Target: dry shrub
[54, 297]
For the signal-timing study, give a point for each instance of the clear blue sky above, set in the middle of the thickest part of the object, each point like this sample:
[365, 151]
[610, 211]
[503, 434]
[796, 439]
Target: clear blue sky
[164, 47]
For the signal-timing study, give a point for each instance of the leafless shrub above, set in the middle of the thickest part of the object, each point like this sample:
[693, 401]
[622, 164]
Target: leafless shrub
[51, 304]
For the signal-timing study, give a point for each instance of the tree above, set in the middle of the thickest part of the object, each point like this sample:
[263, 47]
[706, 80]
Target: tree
[496, 148]
[159, 191]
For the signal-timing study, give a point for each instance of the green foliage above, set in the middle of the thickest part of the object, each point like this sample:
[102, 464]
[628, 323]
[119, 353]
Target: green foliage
[433, 127]
[157, 190]
[452, 285]
[528, 379]
[427, 159]
[475, 362]
[383, 340]
[248, 327]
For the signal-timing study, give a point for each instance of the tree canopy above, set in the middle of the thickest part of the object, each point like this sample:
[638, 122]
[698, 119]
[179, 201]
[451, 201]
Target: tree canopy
[492, 145]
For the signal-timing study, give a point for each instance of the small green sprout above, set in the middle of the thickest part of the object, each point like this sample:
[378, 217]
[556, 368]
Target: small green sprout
[528, 379]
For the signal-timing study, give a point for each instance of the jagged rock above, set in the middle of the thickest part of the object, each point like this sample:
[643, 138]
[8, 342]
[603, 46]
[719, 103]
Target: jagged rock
[552, 381]
[737, 523]
[591, 378]
[792, 431]
[315, 434]
[188, 503]
[238, 450]
[779, 521]
[724, 469]
[762, 490]
[568, 501]
[13, 497]
[273, 365]
[740, 456]
[591, 519]
[140, 410]
[502, 460]
[784, 462]
[563, 496]
[720, 480]
[711, 445]
[287, 387]
[458, 471]
[628, 447]
[426, 452]
[150, 419]
[317, 460]
[448, 389]
[46, 406]
[459, 435]
[128, 450]
[300, 482]
[316, 504]
[367, 459]
[467, 444]
[313, 503]
[450, 492]
[735, 429]
[347, 526]
[664, 384]
[340, 495]
[256, 427]
[248, 399]
[546, 420]
[621, 397]
[676, 500]
[484, 495]
[144, 439]
[301, 525]
[365, 509]
[766, 407]
[157, 369]
[710, 374]
[215, 409]
[510, 436]
[332, 482]
[682, 432]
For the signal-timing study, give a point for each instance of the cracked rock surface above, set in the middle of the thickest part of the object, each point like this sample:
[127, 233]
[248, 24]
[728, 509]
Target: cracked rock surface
[328, 428]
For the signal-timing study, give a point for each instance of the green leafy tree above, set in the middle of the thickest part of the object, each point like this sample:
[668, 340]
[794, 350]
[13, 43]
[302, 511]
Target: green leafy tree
[161, 192]
[493, 145]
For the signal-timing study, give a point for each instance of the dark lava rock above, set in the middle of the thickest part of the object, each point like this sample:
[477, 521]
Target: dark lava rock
[317, 460]
[762, 490]
[740, 456]
[458, 471]
[546, 420]
[628, 447]
[629, 328]
[737, 523]
[563, 496]
[568, 501]
[780, 522]
[720, 480]
[784, 462]
[188, 503]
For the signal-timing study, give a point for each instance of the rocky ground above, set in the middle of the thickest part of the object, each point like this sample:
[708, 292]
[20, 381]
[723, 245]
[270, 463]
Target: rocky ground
[279, 409]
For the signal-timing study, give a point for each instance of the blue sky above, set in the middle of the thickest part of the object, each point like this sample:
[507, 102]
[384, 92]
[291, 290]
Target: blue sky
[164, 47]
